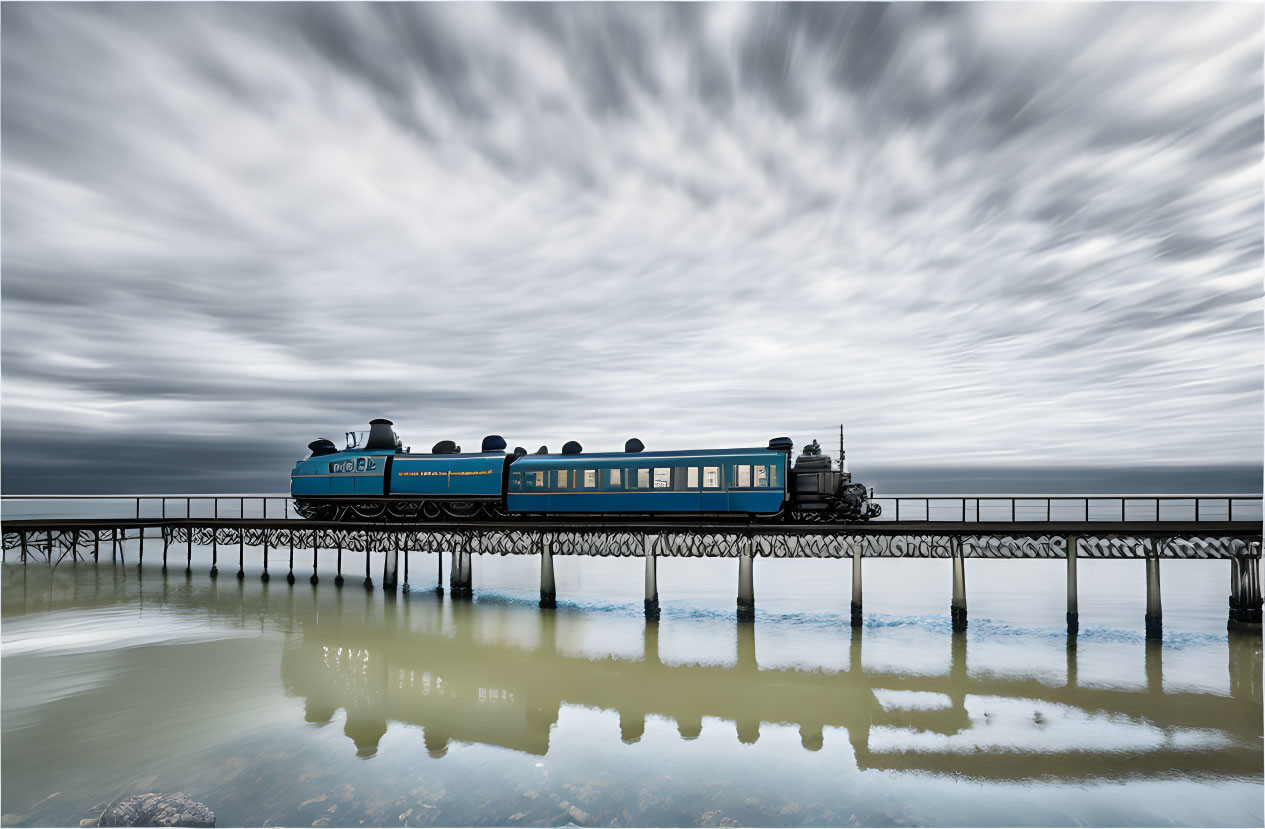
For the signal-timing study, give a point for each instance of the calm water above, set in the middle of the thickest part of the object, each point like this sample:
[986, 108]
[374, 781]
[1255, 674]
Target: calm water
[308, 705]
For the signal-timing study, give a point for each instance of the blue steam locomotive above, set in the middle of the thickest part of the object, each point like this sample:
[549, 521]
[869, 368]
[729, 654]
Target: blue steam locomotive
[381, 479]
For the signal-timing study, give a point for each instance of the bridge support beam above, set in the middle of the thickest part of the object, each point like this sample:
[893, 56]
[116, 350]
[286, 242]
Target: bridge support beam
[746, 582]
[857, 618]
[1073, 613]
[1154, 612]
[957, 606]
[548, 592]
[1245, 594]
[652, 582]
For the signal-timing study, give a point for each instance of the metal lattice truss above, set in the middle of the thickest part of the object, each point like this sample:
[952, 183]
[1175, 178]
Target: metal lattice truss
[56, 545]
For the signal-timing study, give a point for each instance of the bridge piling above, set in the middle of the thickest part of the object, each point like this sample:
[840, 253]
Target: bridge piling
[746, 582]
[1073, 613]
[391, 566]
[548, 590]
[314, 579]
[241, 552]
[405, 588]
[290, 574]
[439, 581]
[957, 605]
[338, 579]
[188, 562]
[462, 578]
[857, 617]
[1245, 594]
[166, 543]
[264, 575]
[1154, 612]
[215, 570]
[96, 546]
[368, 580]
[652, 583]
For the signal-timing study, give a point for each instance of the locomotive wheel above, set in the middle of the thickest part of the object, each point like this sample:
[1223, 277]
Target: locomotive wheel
[495, 512]
[406, 511]
[461, 509]
[369, 509]
[315, 511]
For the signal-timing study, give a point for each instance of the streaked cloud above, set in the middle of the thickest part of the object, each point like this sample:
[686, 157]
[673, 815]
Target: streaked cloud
[975, 233]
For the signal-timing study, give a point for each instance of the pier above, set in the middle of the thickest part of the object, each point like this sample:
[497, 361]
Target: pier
[1070, 527]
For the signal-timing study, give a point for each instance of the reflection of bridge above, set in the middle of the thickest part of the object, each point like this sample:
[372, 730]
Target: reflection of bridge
[422, 667]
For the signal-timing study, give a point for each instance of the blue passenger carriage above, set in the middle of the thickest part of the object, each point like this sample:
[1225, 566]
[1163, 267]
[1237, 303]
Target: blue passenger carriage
[704, 481]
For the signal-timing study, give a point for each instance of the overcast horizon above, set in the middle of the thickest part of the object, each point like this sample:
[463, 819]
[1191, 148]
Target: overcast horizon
[1011, 238]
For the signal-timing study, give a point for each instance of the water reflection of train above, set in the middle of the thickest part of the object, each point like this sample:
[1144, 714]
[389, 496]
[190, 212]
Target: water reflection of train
[381, 478]
[459, 679]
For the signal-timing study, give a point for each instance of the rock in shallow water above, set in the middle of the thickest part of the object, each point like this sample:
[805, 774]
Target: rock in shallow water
[157, 810]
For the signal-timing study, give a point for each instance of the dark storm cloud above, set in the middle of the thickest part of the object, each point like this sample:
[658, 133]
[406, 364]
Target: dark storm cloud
[1010, 235]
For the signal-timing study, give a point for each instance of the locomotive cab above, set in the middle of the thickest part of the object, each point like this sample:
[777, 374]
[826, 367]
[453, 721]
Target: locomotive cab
[820, 492]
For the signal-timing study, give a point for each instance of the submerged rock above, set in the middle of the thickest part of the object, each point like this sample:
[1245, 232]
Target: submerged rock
[157, 810]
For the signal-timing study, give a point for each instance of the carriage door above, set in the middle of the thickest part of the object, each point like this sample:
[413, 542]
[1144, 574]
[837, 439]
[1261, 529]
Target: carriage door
[714, 497]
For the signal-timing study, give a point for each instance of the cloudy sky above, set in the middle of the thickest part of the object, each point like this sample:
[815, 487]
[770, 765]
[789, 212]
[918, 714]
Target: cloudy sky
[994, 235]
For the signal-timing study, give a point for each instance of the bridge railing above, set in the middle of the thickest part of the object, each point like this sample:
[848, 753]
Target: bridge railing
[150, 506]
[994, 508]
[1092, 507]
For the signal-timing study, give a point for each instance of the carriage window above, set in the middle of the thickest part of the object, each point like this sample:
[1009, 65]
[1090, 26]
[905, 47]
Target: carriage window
[590, 477]
[562, 479]
[761, 476]
[538, 478]
[662, 477]
[517, 480]
[643, 478]
[743, 478]
[614, 477]
[773, 475]
[691, 477]
[711, 477]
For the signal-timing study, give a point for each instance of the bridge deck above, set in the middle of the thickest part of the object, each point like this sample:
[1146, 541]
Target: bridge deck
[1238, 529]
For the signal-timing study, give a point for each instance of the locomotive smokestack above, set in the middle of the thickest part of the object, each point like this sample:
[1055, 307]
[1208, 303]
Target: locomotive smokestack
[381, 435]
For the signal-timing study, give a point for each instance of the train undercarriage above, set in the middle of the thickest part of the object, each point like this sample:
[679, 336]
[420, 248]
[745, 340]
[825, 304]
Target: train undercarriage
[391, 509]
[412, 511]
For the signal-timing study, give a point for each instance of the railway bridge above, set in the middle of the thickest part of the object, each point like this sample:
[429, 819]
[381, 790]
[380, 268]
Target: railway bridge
[1134, 526]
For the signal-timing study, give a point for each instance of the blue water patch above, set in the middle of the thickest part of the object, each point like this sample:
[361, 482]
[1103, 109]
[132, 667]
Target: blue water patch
[931, 623]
